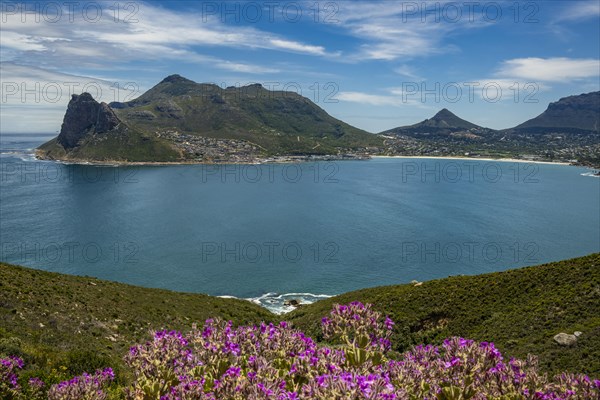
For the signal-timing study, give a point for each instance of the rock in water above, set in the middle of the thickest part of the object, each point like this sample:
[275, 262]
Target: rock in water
[85, 115]
[564, 339]
[292, 302]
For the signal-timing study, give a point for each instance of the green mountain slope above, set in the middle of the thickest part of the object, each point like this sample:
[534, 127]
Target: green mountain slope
[281, 122]
[181, 120]
[519, 310]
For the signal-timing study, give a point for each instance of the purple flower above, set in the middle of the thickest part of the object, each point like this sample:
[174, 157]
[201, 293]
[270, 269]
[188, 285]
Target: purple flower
[452, 363]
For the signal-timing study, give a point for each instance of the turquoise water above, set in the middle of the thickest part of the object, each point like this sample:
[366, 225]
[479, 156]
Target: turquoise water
[313, 228]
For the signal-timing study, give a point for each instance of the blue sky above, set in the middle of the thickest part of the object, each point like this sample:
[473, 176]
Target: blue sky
[376, 65]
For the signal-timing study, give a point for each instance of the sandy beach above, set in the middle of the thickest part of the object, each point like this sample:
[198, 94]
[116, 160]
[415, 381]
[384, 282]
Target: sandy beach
[284, 160]
[478, 159]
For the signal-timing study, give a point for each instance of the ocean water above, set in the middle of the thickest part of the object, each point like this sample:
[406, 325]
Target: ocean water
[277, 232]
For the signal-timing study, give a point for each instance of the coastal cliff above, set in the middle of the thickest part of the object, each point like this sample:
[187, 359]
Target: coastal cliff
[85, 116]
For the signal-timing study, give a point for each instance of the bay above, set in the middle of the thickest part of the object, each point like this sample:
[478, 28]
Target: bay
[297, 229]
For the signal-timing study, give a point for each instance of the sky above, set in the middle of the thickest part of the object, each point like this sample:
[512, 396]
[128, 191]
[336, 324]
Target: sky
[374, 64]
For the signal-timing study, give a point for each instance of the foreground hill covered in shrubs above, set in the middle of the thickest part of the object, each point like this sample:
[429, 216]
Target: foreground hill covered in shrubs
[54, 327]
[64, 325]
[278, 362]
[520, 310]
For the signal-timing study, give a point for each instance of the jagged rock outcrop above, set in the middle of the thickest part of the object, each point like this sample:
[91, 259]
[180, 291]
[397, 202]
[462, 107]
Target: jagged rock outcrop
[85, 115]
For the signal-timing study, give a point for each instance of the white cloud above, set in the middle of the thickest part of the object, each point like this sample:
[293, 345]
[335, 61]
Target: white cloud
[246, 68]
[394, 99]
[559, 69]
[578, 10]
[517, 90]
[390, 30]
[522, 79]
[370, 99]
[31, 90]
[156, 33]
[20, 42]
[409, 72]
[298, 47]
[38, 86]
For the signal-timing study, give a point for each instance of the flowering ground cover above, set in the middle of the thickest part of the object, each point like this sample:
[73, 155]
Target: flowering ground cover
[276, 361]
[62, 326]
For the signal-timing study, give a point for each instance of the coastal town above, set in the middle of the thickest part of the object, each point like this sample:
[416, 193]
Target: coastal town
[582, 150]
[202, 149]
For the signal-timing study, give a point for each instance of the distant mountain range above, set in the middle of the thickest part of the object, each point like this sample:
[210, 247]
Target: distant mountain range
[179, 120]
[567, 131]
[573, 114]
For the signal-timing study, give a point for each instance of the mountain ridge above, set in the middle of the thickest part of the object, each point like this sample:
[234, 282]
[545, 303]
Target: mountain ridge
[179, 120]
[571, 114]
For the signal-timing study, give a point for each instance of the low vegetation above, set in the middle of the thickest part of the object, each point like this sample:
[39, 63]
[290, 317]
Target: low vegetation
[520, 310]
[59, 326]
[278, 362]
[63, 325]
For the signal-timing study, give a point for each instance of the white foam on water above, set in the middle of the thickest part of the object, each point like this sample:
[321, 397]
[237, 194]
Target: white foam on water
[23, 155]
[275, 302]
[592, 174]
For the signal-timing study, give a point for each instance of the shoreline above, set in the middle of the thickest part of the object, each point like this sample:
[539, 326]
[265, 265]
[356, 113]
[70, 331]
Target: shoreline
[303, 159]
[519, 160]
[260, 161]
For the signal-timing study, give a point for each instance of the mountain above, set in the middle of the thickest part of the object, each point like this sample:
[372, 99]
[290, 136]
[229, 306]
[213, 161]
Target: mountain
[443, 123]
[573, 114]
[93, 131]
[179, 119]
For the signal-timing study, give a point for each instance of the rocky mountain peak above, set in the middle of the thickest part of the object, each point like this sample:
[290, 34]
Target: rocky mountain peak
[176, 78]
[85, 115]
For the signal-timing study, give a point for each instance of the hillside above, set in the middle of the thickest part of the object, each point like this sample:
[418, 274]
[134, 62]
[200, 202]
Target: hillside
[519, 310]
[573, 114]
[181, 120]
[85, 323]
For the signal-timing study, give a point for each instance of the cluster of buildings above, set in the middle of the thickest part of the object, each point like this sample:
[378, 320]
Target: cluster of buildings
[207, 149]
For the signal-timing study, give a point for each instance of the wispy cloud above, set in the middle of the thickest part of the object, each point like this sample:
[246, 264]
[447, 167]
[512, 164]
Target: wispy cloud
[370, 99]
[156, 33]
[245, 68]
[522, 79]
[298, 47]
[390, 30]
[560, 69]
[395, 98]
[409, 72]
[578, 10]
[30, 90]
